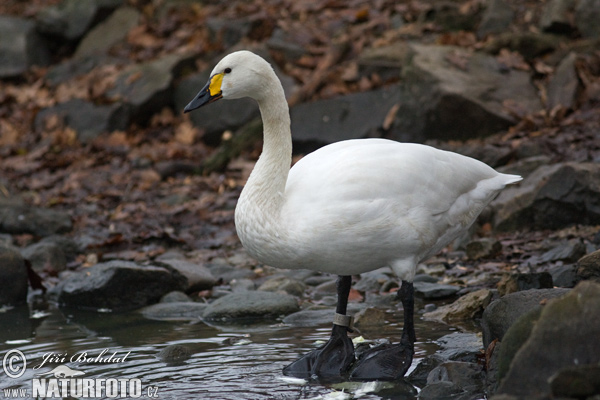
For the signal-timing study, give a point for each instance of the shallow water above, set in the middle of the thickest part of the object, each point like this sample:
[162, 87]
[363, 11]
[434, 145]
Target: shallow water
[227, 362]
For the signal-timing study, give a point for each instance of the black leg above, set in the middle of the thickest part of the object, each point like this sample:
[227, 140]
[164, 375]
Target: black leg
[391, 361]
[334, 358]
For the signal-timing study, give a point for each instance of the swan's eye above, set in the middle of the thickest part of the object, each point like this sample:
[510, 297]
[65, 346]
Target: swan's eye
[227, 70]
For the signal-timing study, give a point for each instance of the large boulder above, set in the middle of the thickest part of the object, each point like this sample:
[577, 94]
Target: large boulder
[71, 19]
[18, 217]
[13, 274]
[565, 336]
[552, 197]
[20, 46]
[501, 314]
[108, 33]
[250, 305]
[117, 285]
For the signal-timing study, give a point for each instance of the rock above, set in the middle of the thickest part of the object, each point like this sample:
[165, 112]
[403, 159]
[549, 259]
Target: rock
[564, 85]
[529, 44]
[242, 285]
[71, 19]
[552, 197]
[117, 285]
[146, 88]
[568, 251]
[440, 390]
[511, 283]
[386, 61]
[460, 346]
[17, 217]
[227, 31]
[564, 276]
[555, 17]
[588, 267]
[86, 119]
[198, 276]
[45, 257]
[453, 93]
[74, 68]
[435, 290]
[251, 305]
[13, 271]
[352, 116]
[283, 284]
[580, 382]
[483, 248]
[174, 354]
[174, 311]
[497, 17]
[502, 313]
[175, 297]
[465, 308]
[587, 15]
[468, 377]
[108, 33]
[20, 47]
[419, 375]
[575, 319]
[449, 16]
[306, 318]
[370, 318]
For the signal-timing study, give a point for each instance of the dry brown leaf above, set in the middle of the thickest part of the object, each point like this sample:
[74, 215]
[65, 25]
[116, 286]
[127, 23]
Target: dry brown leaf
[512, 59]
[186, 133]
[8, 133]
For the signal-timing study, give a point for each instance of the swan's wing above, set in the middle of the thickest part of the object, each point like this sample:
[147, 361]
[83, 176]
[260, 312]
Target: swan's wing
[377, 191]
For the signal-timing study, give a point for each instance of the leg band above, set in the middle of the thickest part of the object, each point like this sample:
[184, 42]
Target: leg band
[343, 320]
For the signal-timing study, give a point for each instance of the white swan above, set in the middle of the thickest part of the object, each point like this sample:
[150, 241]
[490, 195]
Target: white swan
[347, 208]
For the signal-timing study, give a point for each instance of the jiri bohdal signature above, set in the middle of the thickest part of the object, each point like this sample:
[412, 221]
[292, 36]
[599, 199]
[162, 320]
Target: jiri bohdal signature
[83, 358]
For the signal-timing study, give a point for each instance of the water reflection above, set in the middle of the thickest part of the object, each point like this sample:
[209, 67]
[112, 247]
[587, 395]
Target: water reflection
[221, 362]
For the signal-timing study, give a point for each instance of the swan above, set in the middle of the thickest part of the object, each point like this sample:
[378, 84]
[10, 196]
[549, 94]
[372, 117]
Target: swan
[347, 208]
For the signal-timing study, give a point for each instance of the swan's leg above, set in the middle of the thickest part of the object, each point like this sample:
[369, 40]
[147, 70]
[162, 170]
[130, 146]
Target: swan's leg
[390, 362]
[334, 358]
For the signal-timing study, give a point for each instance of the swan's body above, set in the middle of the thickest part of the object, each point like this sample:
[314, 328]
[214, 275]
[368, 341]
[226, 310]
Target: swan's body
[352, 206]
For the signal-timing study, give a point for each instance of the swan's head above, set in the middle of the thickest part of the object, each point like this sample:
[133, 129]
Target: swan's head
[240, 74]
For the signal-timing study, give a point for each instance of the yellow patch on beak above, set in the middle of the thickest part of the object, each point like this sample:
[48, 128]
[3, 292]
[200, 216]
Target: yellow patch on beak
[215, 84]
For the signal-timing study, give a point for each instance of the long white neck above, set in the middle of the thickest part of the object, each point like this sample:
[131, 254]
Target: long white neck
[263, 195]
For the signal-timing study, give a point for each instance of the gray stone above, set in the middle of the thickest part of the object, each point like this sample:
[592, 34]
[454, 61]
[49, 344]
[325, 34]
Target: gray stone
[370, 319]
[460, 346]
[419, 375]
[198, 276]
[587, 15]
[242, 285]
[386, 61]
[310, 317]
[71, 19]
[435, 290]
[13, 274]
[352, 116]
[552, 197]
[511, 283]
[502, 313]
[174, 354]
[108, 33]
[440, 390]
[86, 119]
[17, 217]
[555, 16]
[283, 284]
[45, 257]
[146, 88]
[117, 285]
[466, 376]
[564, 85]
[588, 267]
[228, 32]
[497, 17]
[483, 248]
[564, 276]
[568, 251]
[251, 305]
[20, 46]
[529, 44]
[575, 319]
[186, 310]
[453, 93]
[175, 297]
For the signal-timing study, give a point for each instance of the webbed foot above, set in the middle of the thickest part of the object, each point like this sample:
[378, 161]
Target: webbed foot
[330, 361]
[385, 362]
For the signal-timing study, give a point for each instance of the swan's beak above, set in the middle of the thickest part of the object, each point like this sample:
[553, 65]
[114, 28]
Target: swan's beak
[211, 92]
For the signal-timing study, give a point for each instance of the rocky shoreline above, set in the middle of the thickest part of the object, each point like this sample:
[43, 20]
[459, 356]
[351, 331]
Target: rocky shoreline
[102, 206]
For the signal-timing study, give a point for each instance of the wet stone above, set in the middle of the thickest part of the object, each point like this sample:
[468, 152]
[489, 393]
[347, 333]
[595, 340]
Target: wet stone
[198, 276]
[459, 346]
[511, 283]
[13, 270]
[174, 310]
[434, 290]
[45, 257]
[20, 46]
[284, 284]
[175, 297]
[467, 307]
[174, 354]
[588, 267]
[251, 305]
[18, 217]
[564, 276]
